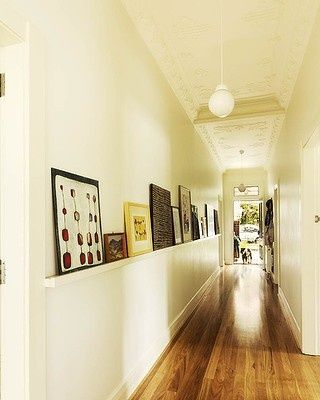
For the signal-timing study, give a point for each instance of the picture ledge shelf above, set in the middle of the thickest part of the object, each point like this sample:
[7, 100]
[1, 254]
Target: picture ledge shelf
[60, 280]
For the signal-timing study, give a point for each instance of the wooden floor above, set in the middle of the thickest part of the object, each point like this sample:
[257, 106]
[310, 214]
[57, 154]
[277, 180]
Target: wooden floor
[236, 345]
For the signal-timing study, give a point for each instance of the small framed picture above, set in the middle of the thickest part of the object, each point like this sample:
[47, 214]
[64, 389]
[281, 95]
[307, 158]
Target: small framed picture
[115, 245]
[204, 227]
[185, 212]
[210, 220]
[176, 221]
[195, 223]
[216, 222]
[138, 228]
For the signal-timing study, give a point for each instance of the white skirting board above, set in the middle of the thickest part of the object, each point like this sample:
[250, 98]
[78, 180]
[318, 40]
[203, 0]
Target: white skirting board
[286, 309]
[149, 359]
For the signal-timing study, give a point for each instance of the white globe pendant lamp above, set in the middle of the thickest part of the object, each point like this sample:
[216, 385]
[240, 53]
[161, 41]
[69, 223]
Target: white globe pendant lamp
[221, 103]
[242, 187]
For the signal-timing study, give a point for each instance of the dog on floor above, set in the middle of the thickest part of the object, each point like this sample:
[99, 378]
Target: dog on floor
[246, 256]
[249, 256]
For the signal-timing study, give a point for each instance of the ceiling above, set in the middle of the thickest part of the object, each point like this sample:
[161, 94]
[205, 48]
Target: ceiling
[264, 45]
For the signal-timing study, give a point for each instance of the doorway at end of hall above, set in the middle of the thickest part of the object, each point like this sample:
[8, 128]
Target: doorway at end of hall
[248, 232]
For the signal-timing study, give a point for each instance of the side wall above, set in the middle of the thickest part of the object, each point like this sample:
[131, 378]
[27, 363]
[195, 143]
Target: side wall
[110, 115]
[231, 179]
[302, 117]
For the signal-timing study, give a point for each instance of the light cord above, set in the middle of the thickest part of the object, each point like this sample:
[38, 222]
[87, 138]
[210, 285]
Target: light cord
[221, 43]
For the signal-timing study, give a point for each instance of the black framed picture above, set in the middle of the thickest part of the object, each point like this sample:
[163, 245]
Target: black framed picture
[161, 217]
[77, 220]
[195, 223]
[216, 222]
[185, 212]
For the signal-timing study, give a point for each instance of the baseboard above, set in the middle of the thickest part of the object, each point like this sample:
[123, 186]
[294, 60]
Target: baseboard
[146, 362]
[292, 322]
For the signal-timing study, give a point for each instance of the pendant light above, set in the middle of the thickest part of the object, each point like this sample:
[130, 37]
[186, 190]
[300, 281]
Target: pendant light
[242, 187]
[221, 103]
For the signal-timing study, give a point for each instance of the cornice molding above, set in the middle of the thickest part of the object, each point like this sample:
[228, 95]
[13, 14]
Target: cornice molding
[303, 23]
[253, 107]
[205, 135]
[153, 38]
[277, 124]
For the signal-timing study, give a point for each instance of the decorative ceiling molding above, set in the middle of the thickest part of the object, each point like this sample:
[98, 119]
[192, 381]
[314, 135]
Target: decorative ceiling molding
[262, 15]
[204, 134]
[261, 98]
[187, 26]
[260, 106]
[277, 124]
[298, 41]
[258, 136]
[150, 33]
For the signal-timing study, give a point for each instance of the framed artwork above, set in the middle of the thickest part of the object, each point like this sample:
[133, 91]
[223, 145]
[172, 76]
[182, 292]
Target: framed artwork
[161, 217]
[210, 220]
[77, 220]
[115, 245]
[204, 227]
[200, 229]
[185, 213]
[138, 228]
[216, 222]
[195, 223]
[176, 222]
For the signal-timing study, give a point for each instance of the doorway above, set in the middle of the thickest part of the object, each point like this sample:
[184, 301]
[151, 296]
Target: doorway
[248, 232]
[22, 228]
[12, 215]
[310, 237]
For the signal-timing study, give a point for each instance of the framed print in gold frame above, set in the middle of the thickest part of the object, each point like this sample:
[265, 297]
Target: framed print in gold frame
[138, 228]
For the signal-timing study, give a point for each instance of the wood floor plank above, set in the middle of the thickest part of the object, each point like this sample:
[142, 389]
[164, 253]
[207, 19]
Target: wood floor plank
[237, 345]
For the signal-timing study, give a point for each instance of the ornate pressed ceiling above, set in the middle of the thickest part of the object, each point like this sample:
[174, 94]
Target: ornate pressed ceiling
[264, 45]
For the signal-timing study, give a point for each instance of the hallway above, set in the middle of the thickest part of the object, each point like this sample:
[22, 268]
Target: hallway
[236, 345]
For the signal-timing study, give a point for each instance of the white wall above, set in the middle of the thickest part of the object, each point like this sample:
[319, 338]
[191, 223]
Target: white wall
[302, 117]
[110, 115]
[231, 179]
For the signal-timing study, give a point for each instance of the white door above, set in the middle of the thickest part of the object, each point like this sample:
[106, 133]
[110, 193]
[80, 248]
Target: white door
[221, 237]
[310, 238]
[12, 229]
[1, 277]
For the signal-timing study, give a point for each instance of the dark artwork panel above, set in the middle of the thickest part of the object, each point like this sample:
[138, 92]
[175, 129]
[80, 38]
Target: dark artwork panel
[195, 223]
[77, 220]
[161, 217]
[216, 222]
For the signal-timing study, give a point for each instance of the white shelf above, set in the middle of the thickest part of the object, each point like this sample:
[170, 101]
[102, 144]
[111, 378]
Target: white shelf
[59, 280]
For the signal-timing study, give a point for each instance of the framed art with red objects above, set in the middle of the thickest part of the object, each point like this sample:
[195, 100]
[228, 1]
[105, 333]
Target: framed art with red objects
[77, 221]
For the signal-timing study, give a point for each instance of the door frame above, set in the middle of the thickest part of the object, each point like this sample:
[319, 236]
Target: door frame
[250, 199]
[310, 235]
[32, 349]
[221, 237]
[276, 221]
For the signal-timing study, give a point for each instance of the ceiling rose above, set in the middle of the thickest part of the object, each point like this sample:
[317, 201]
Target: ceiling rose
[242, 187]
